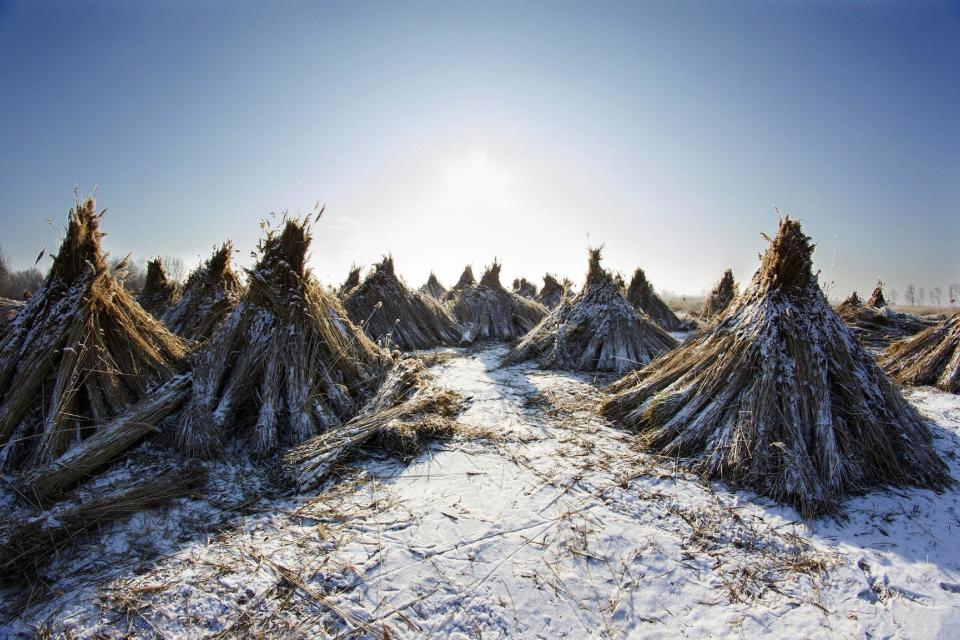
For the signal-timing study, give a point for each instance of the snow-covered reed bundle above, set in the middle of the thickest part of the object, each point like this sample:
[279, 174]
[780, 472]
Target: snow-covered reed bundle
[466, 281]
[931, 357]
[525, 288]
[8, 311]
[642, 296]
[878, 326]
[158, 292]
[877, 301]
[353, 279]
[598, 330]
[285, 365]
[209, 295]
[405, 402]
[778, 397]
[487, 310]
[26, 548]
[392, 314]
[434, 288]
[78, 354]
[720, 297]
[552, 292]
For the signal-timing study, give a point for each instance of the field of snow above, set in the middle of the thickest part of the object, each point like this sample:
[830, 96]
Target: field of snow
[554, 526]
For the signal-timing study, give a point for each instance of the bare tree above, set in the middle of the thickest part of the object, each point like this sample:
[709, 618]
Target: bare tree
[952, 293]
[894, 296]
[935, 294]
[910, 295]
[921, 293]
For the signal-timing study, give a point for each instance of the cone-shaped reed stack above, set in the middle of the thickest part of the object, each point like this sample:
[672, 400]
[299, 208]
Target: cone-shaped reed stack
[777, 397]
[285, 365]
[351, 283]
[434, 288]
[928, 358]
[552, 292]
[78, 354]
[642, 296]
[877, 327]
[525, 288]
[877, 301]
[391, 314]
[159, 291]
[487, 310]
[466, 280]
[720, 297]
[598, 330]
[210, 294]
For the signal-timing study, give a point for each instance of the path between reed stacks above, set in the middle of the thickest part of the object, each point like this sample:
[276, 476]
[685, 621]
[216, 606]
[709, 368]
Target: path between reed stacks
[556, 528]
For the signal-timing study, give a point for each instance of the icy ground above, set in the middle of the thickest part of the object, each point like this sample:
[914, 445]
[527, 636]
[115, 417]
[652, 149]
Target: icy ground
[558, 527]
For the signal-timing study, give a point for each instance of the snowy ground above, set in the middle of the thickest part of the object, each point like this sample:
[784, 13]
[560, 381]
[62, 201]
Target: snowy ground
[556, 528]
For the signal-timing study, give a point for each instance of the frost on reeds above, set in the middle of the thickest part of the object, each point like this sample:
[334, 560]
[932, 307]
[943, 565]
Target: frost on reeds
[285, 365]
[405, 410]
[720, 297]
[779, 398]
[159, 291]
[598, 330]
[876, 324]
[26, 547]
[931, 357]
[552, 292]
[487, 310]
[210, 294]
[393, 315]
[433, 287]
[466, 281]
[525, 288]
[78, 357]
[642, 296]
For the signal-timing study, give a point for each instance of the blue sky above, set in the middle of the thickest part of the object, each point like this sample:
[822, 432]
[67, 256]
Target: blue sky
[449, 133]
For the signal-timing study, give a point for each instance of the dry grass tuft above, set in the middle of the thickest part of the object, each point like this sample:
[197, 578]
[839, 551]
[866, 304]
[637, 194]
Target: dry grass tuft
[777, 397]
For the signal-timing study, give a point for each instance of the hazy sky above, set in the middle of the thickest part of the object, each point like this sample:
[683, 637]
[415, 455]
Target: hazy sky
[453, 132]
